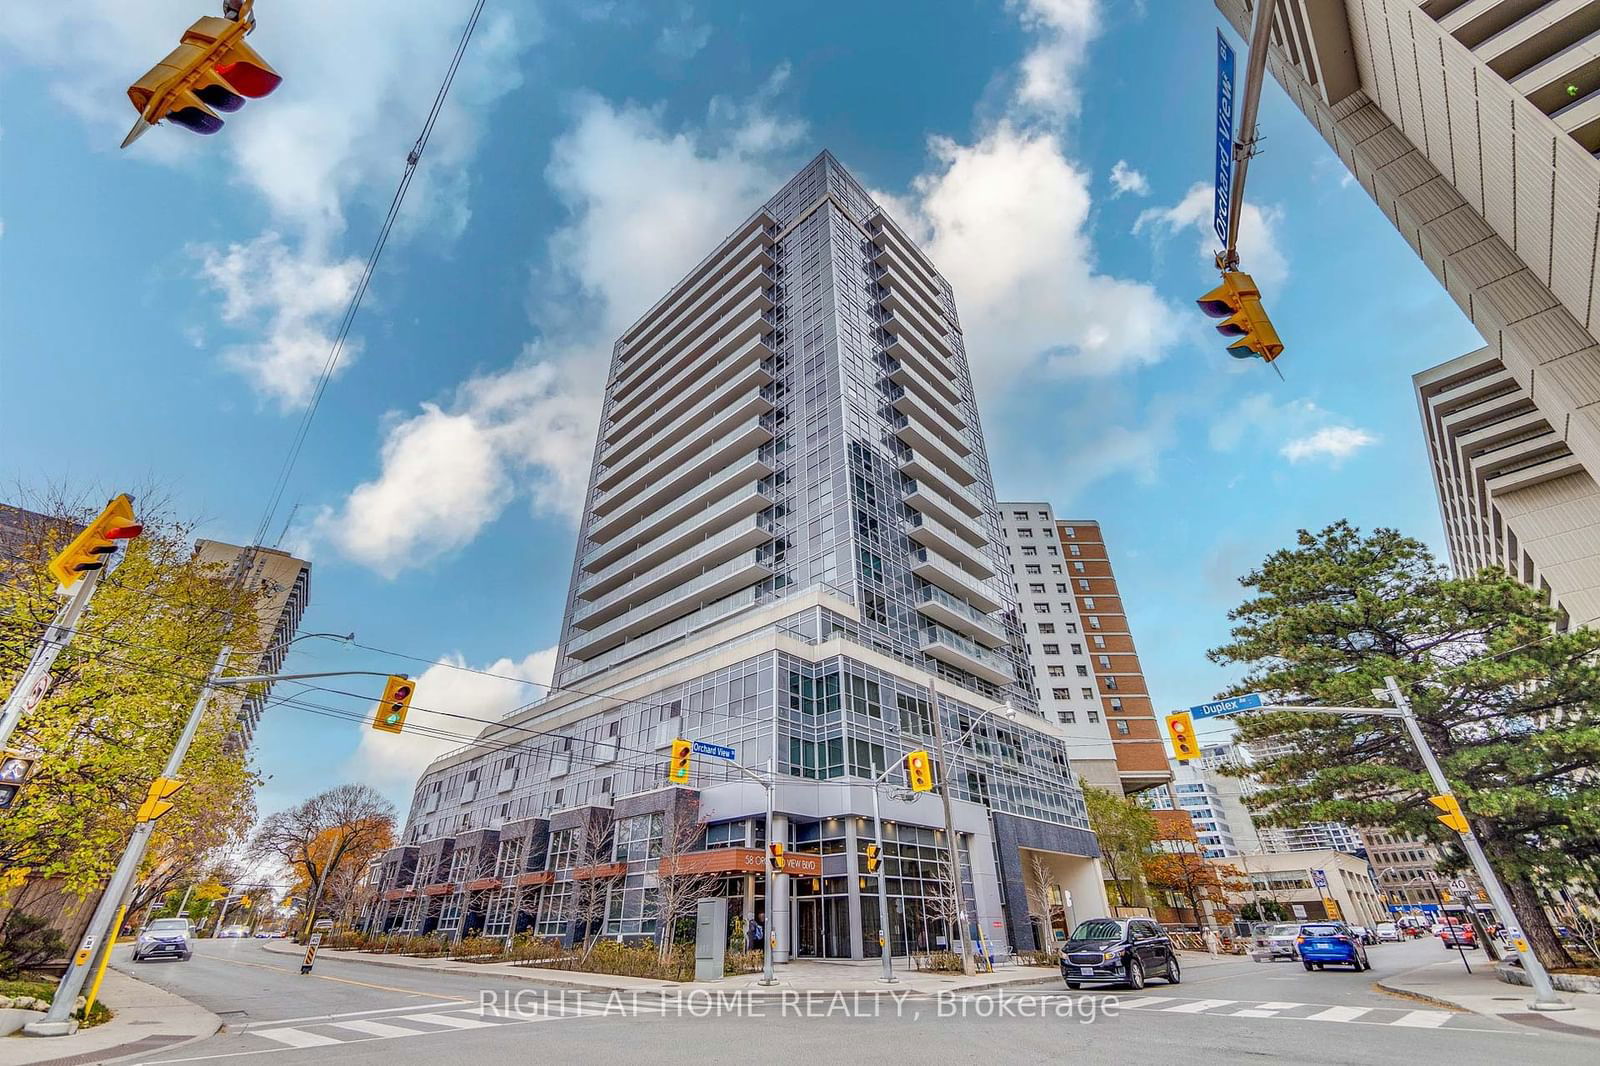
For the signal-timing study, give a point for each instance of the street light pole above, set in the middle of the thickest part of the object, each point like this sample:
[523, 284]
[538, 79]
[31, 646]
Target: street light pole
[769, 933]
[56, 637]
[1545, 998]
[968, 967]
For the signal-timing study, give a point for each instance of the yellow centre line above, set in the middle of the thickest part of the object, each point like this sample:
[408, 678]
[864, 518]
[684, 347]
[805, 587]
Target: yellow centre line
[346, 981]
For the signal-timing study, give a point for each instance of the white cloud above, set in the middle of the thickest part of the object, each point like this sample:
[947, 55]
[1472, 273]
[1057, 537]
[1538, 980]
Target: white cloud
[287, 302]
[359, 76]
[1047, 75]
[645, 202]
[1333, 443]
[1124, 179]
[448, 699]
[1259, 255]
[683, 39]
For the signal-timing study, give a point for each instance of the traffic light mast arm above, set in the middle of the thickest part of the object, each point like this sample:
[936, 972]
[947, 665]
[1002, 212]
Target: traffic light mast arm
[1244, 143]
[252, 679]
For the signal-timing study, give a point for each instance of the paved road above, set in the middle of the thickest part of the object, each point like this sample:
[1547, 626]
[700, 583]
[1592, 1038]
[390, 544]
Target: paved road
[357, 1013]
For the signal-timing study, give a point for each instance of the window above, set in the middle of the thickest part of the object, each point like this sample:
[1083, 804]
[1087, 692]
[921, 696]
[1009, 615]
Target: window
[469, 786]
[637, 838]
[1044, 516]
[1061, 693]
[1088, 603]
[1037, 589]
[1105, 661]
[463, 864]
[1061, 586]
[1020, 516]
[1071, 627]
[508, 775]
[1067, 717]
[1052, 649]
[1055, 568]
[1058, 671]
[1041, 608]
[1088, 693]
[1094, 623]
[1073, 548]
[1083, 584]
[1099, 641]
[1053, 550]
[1111, 682]
[501, 910]
[1077, 649]
[1025, 533]
[1122, 727]
[563, 849]
[1067, 531]
[1028, 549]
[1077, 568]
[1094, 716]
[1116, 703]
[1083, 671]
[1047, 627]
[508, 860]
[1031, 568]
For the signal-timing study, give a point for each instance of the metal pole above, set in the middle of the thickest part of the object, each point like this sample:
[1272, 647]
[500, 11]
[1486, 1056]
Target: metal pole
[59, 1021]
[1244, 141]
[56, 637]
[768, 931]
[183, 908]
[1544, 993]
[960, 900]
[883, 888]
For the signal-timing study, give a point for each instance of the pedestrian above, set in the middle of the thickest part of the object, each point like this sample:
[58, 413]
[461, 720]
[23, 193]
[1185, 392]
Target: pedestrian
[1213, 942]
[757, 935]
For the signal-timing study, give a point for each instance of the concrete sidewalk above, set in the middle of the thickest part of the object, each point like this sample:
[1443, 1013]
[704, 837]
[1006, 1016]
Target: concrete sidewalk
[144, 1019]
[806, 976]
[1447, 983]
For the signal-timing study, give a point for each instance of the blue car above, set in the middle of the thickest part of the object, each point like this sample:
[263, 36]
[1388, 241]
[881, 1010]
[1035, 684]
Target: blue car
[1324, 943]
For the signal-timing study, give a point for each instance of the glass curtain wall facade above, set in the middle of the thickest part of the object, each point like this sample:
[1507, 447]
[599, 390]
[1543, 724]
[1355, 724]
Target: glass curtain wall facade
[790, 547]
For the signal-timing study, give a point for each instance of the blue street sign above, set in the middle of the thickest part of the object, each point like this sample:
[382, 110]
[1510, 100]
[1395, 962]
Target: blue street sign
[702, 747]
[1250, 701]
[1320, 879]
[1222, 202]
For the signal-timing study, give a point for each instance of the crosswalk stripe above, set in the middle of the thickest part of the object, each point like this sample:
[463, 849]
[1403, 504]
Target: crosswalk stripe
[295, 1037]
[1423, 1019]
[371, 1028]
[1338, 1014]
[449, 1021]
[1197, 1006]
[1264, 1010]
[1142, 1001]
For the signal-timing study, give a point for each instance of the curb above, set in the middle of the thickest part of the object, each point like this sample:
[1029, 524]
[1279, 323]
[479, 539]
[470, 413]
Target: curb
[1421, 997]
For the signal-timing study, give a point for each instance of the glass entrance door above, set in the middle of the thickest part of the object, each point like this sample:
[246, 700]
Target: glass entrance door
[808, 928]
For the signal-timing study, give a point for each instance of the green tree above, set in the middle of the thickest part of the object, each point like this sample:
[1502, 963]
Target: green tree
[118, 699]
[1509, 702]
[1125, 831]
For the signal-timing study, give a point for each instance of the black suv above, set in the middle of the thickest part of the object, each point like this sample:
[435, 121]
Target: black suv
[1118, 950]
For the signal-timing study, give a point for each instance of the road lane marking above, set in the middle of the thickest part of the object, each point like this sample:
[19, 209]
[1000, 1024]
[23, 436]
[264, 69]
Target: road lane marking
[1265, 1010]
[1423, 1019]
[296, 1037]
[1143, 1001]
[1197, 1006]
[372, 1028]
[448, 1021]
[1338, 1014]
[326, 977]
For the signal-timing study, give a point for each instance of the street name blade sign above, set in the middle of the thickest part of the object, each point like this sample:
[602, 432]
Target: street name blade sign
[718, 751]
[1222, 200]
[1250, 701]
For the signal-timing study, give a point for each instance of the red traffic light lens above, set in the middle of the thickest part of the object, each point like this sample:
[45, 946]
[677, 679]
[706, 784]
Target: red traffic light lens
[123, 532]
[249, 79]
[1215, 308]
[221, 99]
[192, 118]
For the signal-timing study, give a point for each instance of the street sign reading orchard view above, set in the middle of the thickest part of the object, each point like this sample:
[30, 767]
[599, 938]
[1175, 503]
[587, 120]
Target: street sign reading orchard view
[718, 751]
[1250, 701]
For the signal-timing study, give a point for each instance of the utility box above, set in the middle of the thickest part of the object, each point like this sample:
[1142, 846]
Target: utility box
[710, 938]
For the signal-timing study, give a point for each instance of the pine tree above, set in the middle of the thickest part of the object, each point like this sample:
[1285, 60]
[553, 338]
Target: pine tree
[1509, 702]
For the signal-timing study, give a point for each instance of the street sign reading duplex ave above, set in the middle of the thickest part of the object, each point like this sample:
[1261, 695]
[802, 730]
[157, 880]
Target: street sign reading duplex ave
[1250, 701]
[702, 747]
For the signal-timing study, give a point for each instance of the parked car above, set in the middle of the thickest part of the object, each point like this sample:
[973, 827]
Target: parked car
[234, 932]
[164, 937]
[1452, 933]
[1387, 931]
[1367, 935]
[1274, 940]
[1118, 951]
[1326, 943]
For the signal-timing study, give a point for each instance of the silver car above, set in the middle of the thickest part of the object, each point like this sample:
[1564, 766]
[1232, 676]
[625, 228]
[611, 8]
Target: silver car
[1274, 940]
[167, 937]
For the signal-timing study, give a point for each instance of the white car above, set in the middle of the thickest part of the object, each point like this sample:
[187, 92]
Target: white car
[1387, 931]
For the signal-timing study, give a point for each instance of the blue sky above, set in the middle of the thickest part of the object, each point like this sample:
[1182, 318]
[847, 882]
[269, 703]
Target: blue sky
[1053, 155]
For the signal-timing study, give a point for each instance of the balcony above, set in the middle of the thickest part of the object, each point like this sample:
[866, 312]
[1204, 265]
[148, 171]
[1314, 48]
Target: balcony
[678, 468]
[930, 501]
[693, 530]
[716, 276]
[739, 399]
[736, 540]
[707, 616]
[892, 243]
[934, 534]
[929, 306]
[958, 614]
[942, 416]
[733, 575]
[935, 389]
[954, 580]
[914, 465]
[628, 527]
[711, 338]
[934, 327]
[955, 650]
[907, 339]
[922, 442]
[690, 385]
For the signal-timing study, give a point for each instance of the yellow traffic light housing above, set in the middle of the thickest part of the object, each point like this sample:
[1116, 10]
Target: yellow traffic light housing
[678, 768]
[775, 851]
[872, 858]
[211, 70]
[1452, 815]
[1238, 302]
[89, 549]
[156, 802]
[390, 716]
[1180, 730]
[919, 771]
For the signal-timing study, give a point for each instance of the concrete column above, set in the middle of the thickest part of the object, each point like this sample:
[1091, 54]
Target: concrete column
[852, 849]
[778, 905]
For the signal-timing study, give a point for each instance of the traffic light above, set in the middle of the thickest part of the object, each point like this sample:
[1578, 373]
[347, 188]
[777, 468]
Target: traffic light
[211, 70]
[89, 549]
[390, 716]
[872, 858]
[919, 771]
[1452, 815]
[678, 768]
[1238, 302]
[775, 850]
[14, 771]
[1180, 729]
[156, 802]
